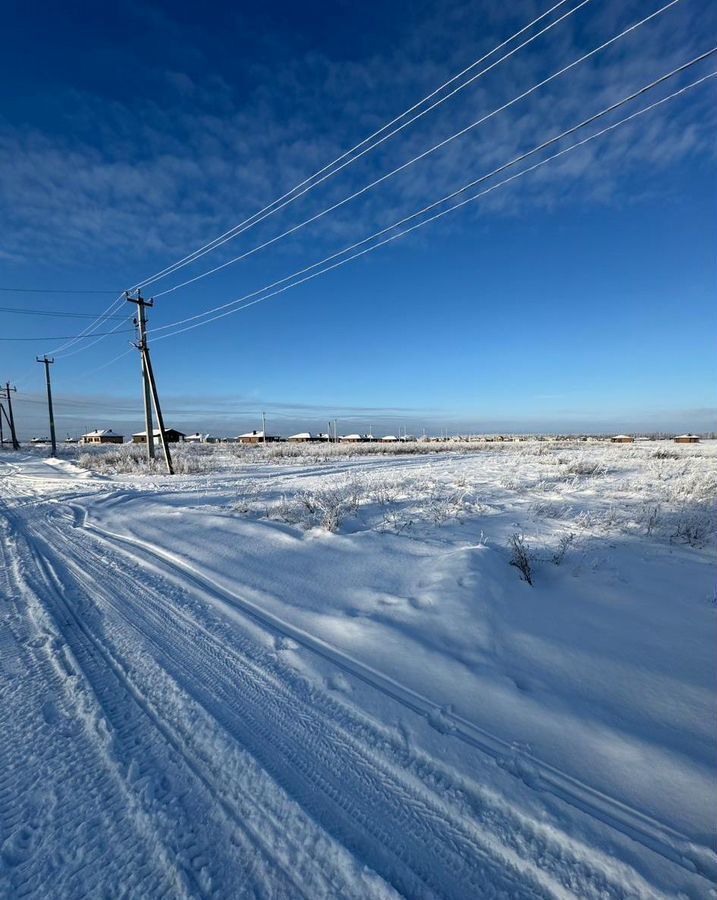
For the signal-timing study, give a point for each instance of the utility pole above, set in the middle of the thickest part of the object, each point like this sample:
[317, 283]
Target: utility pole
[141, 323]
[10, 417]
[2, 413]
[149, 384]
[47, 363]
[263, 428]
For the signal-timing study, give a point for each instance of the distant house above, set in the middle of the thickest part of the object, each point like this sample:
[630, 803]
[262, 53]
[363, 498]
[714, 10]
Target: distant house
[350, 438]
[389, 438]
[303, 437]
[70, 440]
[38, 440]
[257, 437]
[622, 439]
[102, 436]
[171, 434]
[199, 438]
[687, 439]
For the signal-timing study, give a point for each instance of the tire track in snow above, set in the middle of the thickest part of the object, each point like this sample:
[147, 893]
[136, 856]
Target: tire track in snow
[407, 835]
[218, 678]
[62, 828]
[131, 726]
[154, 771]
[631, 822]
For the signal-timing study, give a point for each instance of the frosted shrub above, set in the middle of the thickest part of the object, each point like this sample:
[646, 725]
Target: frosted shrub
[652, 514]
[521, 556]
[665, 454]
[564, 544]
[325, 507]
[247, 493]
[584, 467]
[693, 530]
[328, 507]
[131, 459]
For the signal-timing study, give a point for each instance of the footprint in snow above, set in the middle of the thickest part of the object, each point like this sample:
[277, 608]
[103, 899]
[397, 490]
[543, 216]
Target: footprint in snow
[285, 643]
[337, 682]
[22, 843]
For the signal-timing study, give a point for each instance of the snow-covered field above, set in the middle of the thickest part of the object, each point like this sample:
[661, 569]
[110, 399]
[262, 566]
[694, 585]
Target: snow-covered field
[314, 672]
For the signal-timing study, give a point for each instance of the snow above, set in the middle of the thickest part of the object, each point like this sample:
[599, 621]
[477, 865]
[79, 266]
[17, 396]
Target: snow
[330, 663]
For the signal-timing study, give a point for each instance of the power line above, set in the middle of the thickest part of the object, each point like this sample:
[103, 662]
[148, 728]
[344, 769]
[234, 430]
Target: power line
[424, 154]
[116, 303]
[49, 312]
[269, 210]
[13, 290]
[309, 183]
[438, 215]
[76, 337]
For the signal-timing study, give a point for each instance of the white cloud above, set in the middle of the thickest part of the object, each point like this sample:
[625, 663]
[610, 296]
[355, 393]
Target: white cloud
[129, 182]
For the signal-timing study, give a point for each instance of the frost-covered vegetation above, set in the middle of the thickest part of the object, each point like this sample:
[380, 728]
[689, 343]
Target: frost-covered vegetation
[542, 613]
[563, 492]
[658, 489]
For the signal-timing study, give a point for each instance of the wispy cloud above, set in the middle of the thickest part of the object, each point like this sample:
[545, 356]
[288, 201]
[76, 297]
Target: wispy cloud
[151, 178]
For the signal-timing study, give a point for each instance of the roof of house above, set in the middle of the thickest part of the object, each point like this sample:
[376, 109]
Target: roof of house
[622, 436]
[303, 435]
[102, 432]
[155, 433]
[350, 437]
[686, 435]
[389, 437]
[256, 434]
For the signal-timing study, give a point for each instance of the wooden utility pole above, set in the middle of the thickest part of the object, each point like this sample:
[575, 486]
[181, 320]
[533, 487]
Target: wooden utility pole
[141, 323]
[150, 385]
[47, 363]
[2, 438]
[158, 411]
[10, 417]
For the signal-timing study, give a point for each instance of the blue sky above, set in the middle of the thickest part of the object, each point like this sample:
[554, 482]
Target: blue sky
[580, 297]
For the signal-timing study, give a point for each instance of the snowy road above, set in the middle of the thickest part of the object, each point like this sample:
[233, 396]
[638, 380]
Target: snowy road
[159, 739]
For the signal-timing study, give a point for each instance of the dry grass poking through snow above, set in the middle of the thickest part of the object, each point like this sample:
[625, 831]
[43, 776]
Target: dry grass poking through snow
[656, 489]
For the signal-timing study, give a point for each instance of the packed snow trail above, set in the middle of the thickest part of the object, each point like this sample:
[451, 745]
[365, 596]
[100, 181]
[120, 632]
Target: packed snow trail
[167, 751]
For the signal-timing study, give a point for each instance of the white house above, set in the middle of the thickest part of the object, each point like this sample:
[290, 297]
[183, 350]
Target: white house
[256, 437]
[199, 438]
[102, 436]
[171, 434]
[302, 437]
